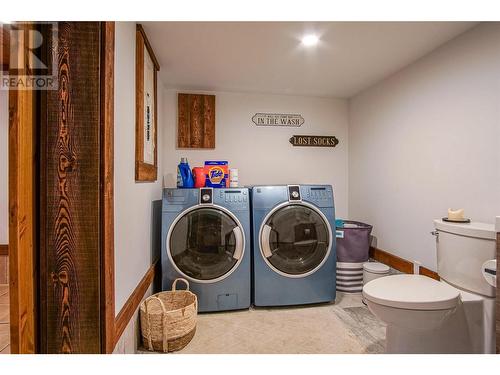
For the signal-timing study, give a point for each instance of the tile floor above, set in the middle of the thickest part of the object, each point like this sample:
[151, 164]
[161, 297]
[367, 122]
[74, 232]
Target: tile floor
[4, 320]
[344, 327]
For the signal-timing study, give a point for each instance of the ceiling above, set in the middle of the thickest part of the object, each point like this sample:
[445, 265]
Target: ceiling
[268, 57]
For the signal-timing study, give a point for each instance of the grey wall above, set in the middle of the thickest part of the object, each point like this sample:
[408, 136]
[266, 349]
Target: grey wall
[133, 210]
[264, 155]
[427, 139]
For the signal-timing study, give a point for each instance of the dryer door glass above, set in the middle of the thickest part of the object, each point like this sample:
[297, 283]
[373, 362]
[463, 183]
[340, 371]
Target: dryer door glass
[295, 240]
[205, 244]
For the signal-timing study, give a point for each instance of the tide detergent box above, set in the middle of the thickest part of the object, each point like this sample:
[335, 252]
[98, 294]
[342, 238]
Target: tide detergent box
[216, 174]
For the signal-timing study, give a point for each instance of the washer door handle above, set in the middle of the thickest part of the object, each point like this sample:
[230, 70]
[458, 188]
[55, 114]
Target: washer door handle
[238, 249]
[264, 241]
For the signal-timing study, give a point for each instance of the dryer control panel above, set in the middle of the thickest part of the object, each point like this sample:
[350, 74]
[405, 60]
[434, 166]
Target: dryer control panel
[321, 196]
[234, 195]
[237, 199]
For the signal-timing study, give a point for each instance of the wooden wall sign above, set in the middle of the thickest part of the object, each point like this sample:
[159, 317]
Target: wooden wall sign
[314, 141]
[196, 121]
[146, 165]
[278, 119]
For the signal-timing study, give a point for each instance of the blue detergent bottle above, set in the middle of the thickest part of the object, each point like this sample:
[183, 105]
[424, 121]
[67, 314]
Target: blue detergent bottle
[184, 175]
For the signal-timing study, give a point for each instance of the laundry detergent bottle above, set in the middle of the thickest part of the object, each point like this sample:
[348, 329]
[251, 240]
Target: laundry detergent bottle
[184, 175]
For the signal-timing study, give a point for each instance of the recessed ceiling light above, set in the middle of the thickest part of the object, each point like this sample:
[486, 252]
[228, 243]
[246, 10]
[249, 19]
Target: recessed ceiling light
[310, 40]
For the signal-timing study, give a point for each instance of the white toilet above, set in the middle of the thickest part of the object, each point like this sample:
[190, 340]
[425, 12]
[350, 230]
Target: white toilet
[454, 315]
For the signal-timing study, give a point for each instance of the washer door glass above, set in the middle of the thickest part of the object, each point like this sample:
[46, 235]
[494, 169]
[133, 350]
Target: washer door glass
[295, 239]
[205, 244]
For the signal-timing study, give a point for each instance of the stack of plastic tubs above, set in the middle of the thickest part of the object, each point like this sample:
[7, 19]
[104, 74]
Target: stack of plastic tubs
[353, 245]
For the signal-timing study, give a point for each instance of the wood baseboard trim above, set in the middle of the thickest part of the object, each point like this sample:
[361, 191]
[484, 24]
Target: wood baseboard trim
[398, 263]
[4, 250]
[430, 273]
[391, 260]
[127, 311]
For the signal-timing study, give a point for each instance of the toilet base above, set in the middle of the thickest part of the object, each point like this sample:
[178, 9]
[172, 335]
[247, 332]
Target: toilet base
[467, 329]
[401, 341]
[451, 337]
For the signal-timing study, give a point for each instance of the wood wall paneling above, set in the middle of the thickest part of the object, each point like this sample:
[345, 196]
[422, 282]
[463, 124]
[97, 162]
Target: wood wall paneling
[4, 250]
[196, 121]
[70, 185]
[4, 264]
[107, 173]
[4, 269]
[22, 156]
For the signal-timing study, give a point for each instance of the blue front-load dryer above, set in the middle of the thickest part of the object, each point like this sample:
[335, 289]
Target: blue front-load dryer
[206, 240]
[294, 258]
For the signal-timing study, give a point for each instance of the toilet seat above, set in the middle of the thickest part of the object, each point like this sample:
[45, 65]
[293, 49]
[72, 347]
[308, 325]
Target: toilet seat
[412, 292]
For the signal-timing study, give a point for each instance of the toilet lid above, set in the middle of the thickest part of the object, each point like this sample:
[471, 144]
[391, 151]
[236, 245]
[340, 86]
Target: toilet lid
[412, 292]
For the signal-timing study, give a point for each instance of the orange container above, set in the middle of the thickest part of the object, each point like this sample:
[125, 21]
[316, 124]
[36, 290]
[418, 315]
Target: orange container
[199, 177]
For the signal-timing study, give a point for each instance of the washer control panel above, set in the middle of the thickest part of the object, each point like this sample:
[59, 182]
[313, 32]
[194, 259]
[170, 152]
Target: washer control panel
[234, 196]
[237, 199]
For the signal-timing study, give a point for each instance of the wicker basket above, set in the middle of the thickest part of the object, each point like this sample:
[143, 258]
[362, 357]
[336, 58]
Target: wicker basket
[168, 319]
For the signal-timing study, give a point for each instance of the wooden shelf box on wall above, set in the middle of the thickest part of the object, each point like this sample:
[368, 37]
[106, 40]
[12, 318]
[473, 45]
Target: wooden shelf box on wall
[196, 121]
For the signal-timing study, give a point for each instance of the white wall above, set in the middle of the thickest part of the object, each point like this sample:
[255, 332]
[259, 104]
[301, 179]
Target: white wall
[4, 167]
[132, 200]
[264, 155]
[426, 139]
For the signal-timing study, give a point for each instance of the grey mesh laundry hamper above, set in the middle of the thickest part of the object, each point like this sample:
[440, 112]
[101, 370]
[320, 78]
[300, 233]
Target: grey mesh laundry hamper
[353, 245]
[168, 319]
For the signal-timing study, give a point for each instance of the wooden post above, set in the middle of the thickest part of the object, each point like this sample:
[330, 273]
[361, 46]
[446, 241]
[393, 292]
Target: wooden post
[22, 216]
[70, 207]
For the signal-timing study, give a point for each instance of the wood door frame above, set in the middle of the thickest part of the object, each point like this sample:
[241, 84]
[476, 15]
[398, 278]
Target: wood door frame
[22, 214]
[23, 206]
[25, 114]
[107, 195]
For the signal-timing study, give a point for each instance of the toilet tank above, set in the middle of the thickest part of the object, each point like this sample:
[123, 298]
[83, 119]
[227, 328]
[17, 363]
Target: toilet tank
[461, 251]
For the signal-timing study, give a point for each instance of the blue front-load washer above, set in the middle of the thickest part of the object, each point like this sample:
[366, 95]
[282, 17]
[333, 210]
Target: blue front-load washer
[206, 240]
[294, 259]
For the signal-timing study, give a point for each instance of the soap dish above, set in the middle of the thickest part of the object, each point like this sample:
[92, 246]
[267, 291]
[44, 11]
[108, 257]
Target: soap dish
[464, 220]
